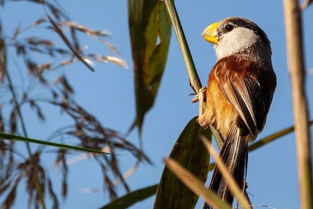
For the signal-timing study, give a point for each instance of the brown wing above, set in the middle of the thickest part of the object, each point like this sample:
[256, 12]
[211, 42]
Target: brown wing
[249, 87]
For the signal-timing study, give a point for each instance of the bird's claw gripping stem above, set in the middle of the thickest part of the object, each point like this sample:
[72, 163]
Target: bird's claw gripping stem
[202, 100]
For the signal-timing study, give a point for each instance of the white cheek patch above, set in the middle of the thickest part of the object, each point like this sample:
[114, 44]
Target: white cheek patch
[235, 41]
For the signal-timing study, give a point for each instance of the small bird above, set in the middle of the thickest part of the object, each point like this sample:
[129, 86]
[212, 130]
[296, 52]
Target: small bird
[238, 95]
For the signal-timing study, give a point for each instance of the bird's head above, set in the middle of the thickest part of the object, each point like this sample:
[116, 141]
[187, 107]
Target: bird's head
[237, 35]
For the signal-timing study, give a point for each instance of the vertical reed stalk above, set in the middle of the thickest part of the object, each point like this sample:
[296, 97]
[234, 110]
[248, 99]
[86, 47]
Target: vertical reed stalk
[295, 59]
[194, 80]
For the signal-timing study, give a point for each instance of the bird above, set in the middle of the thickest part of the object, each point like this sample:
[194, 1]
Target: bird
[238, 95]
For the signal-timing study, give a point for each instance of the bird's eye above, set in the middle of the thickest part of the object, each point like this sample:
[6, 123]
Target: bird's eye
[229, 27]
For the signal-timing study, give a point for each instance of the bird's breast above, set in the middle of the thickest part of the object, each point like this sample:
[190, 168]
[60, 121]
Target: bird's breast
[220, 113]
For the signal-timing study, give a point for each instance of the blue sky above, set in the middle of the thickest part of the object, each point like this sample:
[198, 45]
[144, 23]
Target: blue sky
[272, 177]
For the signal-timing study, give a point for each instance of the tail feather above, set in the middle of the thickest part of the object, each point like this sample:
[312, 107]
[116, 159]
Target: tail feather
[234, 154]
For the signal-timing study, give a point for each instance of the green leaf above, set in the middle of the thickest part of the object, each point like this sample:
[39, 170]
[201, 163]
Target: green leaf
[131, 198]
[150, 34]
[189, 152]
[12, 137]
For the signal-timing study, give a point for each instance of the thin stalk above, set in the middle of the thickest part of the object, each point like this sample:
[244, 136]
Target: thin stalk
[18, 109]
[295, 55]
[37, 141]
[266, 140]
[194, 80]
[273, 137]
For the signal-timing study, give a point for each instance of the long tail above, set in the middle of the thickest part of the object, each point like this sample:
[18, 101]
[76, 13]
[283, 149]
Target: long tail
[234, 154]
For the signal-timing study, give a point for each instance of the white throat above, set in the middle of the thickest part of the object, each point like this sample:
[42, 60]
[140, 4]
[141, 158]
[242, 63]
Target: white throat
[238, 40]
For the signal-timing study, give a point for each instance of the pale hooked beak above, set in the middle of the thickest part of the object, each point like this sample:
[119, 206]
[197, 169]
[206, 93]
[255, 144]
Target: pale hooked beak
[210, 33]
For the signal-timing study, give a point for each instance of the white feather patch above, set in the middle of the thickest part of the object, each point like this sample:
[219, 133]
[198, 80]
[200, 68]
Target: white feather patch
[237, 40]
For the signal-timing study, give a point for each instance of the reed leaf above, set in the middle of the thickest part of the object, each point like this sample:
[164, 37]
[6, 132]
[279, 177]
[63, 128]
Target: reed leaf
[150, 34]
[12, 137]
[189, 152]
[131, 198]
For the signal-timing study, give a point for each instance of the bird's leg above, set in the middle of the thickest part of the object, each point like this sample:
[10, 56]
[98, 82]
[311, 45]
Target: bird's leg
[202, 101]
[195, 98]
[201, 97]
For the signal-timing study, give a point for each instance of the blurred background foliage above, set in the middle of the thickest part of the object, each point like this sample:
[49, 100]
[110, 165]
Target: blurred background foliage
[39, 80]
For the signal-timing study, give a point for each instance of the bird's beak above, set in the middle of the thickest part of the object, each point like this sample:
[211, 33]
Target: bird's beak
[210, 33]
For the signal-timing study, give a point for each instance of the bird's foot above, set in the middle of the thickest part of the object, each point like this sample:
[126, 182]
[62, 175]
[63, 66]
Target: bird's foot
[199, 96]
[202, 100]
[195, 98]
